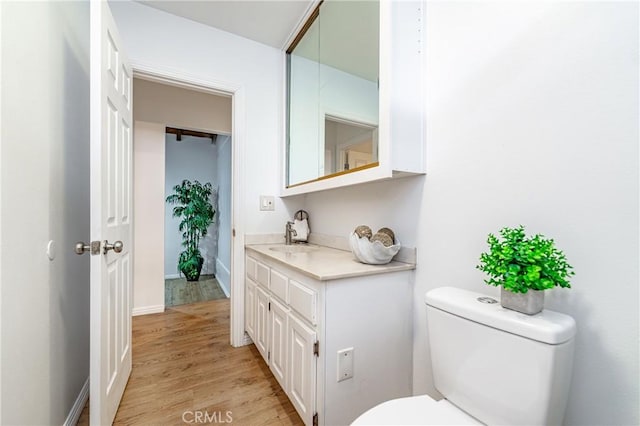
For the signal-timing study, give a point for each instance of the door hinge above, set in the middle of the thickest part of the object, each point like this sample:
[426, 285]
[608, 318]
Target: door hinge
[269, 355]
[233, 232]
[316, 348]
[315, 419]
[269, 305]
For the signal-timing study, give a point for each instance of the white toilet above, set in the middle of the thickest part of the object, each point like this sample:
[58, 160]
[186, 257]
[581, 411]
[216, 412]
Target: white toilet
[493, 366]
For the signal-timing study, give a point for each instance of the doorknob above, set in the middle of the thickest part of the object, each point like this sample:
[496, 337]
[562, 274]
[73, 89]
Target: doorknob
[116, 247]
[81, 247]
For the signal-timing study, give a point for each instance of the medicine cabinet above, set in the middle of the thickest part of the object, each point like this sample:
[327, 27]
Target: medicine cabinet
[355, 95]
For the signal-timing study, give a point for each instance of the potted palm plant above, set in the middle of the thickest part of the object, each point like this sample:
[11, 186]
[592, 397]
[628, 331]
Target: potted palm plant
[192, 205]
[524, 267]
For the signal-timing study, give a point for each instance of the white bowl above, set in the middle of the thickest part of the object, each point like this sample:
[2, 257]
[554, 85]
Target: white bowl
[373, 253]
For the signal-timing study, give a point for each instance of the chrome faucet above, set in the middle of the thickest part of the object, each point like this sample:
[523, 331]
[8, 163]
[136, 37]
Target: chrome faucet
[288, 233]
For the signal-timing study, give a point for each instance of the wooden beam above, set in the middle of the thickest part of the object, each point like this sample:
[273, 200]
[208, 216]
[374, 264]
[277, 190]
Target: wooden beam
[182, 132]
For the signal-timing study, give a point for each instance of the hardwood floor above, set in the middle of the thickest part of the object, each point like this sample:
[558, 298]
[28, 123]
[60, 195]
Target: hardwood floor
[179, 291]
[183, 365]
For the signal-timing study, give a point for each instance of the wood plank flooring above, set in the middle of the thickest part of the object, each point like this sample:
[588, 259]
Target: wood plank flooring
[179, 291]
[183, 364]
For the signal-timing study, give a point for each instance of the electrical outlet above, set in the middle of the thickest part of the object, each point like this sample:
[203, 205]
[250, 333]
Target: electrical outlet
[267, 203]
[345, 364]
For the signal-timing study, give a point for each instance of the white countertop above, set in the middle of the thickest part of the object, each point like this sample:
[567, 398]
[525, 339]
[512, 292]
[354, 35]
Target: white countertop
[325, 263]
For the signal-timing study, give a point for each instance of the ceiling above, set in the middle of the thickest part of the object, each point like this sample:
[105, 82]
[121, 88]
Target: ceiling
[271, 22]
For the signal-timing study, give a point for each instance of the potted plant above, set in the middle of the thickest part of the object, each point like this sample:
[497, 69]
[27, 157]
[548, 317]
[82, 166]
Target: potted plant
[194, 208]
[524, 267]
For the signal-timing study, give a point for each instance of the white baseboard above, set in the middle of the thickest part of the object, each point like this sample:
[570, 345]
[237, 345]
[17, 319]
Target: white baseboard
[144, 310]
[78, 406]
[223, 276]
[172, 276]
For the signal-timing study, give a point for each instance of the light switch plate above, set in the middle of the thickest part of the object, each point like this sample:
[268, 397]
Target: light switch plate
[267, 203]
[345, 364]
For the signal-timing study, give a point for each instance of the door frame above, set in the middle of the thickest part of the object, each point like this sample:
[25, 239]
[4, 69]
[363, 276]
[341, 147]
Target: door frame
[177, 78]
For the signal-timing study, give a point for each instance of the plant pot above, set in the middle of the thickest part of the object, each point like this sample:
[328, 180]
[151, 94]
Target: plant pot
[194, 275]
[529, 303]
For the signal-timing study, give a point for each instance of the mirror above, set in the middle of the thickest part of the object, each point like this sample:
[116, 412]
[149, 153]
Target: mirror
[348, 145]
[332, 74]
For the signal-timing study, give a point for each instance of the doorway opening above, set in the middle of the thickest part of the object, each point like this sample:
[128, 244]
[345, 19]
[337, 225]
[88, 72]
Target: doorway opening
[150, 250]
[197, 243]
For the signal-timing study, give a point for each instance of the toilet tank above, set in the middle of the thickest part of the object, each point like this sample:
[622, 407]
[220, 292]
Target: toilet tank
[500, 366]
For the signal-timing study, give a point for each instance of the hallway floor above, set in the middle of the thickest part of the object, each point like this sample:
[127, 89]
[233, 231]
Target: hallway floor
[183, 364]
[179, 291]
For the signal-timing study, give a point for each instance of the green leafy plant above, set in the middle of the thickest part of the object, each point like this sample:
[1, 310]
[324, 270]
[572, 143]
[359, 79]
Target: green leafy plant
[193, 206]
[519, 263]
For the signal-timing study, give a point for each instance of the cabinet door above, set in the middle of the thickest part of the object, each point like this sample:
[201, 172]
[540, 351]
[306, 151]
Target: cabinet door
[250, 308]
[262, 323]
[302, 368]
[278, 358]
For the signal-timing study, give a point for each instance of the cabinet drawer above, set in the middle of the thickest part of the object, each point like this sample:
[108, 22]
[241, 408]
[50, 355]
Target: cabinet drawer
[278, 285]
[262, 274]
[303, 300]
[251, 268]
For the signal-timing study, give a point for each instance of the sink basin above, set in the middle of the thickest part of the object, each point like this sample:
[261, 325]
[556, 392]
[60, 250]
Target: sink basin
[293, 249]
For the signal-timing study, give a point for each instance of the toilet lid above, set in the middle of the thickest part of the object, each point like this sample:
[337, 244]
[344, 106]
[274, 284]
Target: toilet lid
[415, 410]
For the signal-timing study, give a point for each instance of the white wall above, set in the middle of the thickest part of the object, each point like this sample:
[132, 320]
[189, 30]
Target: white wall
[532, 119]
[177, 107]
[44, 196]
[223, 215]
[148, 216]
[193, 159]
[169, 42]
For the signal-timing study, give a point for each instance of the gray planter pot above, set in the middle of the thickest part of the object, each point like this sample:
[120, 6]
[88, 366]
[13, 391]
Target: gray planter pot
[529, 303]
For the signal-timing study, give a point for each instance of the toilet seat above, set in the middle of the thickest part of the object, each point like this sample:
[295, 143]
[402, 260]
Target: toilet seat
[415, 410]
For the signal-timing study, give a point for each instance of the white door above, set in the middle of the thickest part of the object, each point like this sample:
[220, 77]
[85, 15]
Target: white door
[278, 357]
[302, 368]
[111, 119]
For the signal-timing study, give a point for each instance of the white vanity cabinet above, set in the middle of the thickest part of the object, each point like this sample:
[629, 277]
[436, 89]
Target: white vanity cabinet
[262, 321]
[299, 324]
[278, 323]
[285, 337]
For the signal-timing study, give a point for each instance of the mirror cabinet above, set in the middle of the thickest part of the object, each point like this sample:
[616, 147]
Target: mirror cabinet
[355, 95]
